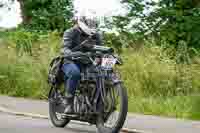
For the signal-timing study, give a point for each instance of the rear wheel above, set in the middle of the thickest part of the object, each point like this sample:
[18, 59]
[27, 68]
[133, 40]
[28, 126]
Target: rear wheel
[115, 110]
[55, 110]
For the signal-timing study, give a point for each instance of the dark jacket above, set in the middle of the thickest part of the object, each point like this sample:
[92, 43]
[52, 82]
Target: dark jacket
[74, 37]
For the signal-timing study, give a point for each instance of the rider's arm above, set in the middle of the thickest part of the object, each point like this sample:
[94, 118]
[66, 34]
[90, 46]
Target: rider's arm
[67, 41]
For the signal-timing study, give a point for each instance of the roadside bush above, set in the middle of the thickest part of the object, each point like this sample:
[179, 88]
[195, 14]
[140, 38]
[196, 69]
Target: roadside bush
[150, 72]
[25, 75]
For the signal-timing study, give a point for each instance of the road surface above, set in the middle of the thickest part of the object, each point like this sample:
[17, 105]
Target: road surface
[19, 124]
[138, 122]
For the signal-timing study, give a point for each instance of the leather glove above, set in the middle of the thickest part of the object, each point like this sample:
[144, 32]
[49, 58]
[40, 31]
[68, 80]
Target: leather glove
[88, 45]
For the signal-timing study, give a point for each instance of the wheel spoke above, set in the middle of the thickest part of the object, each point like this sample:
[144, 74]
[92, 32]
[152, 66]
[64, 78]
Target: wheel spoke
[115, 112]
[113, 101]
[55, 110]
[59, 116]
[113, 117]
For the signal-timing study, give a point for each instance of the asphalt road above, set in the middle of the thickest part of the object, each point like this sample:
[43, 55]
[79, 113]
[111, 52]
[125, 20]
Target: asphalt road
[19, 124]
[143, 123]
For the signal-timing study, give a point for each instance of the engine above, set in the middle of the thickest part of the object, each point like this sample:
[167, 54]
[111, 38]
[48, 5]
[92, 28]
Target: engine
[84, 96]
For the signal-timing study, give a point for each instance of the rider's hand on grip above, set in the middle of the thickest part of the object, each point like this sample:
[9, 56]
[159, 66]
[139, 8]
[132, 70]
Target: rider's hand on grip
[88, 45]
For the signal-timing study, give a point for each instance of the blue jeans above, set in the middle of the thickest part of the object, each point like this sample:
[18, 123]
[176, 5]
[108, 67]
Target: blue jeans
[72, 76]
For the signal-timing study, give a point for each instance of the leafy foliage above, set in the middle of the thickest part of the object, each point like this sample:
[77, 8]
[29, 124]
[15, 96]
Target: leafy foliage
[46, 14]
[23, 41]
[179, 21]
[174, 21]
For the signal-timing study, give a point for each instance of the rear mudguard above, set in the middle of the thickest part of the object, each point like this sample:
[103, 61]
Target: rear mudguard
[50, 91]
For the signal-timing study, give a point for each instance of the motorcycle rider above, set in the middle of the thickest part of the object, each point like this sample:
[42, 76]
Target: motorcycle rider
[84, 28]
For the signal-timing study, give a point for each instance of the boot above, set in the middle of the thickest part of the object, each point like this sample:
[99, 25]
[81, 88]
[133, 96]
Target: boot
[69, 100]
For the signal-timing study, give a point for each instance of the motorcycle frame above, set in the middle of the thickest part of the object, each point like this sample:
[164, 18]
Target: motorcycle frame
[100, 89]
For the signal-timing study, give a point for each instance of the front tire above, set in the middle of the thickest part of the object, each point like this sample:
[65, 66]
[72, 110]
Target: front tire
[57, 122]
[123, 109]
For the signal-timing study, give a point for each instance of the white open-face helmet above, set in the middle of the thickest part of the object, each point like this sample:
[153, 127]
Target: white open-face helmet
[88, 25]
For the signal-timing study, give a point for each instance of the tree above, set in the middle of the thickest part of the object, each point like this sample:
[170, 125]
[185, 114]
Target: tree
[174, 21]
[125, 25]
[181, 21]
[46, 14]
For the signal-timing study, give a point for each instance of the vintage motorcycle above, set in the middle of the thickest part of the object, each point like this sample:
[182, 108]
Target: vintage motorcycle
[100, 99]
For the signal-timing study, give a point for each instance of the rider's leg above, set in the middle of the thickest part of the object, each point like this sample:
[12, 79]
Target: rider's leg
[72, 76]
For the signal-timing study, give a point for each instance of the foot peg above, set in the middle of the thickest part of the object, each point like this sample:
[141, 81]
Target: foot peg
[64, 116]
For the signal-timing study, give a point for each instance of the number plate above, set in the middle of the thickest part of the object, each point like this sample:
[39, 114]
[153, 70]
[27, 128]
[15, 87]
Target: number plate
[108, 63]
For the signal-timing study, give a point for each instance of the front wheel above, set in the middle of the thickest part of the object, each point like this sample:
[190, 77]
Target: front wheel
[54, 110]
[115, 110]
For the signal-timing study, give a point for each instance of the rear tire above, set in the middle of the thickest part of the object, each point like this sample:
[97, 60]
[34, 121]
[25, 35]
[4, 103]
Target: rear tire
[52, 111]
[121, 115]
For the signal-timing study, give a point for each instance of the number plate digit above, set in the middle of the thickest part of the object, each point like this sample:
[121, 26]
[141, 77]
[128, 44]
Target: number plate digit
[108, 63]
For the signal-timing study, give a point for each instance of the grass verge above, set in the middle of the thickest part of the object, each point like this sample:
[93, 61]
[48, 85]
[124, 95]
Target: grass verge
[184, 107]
